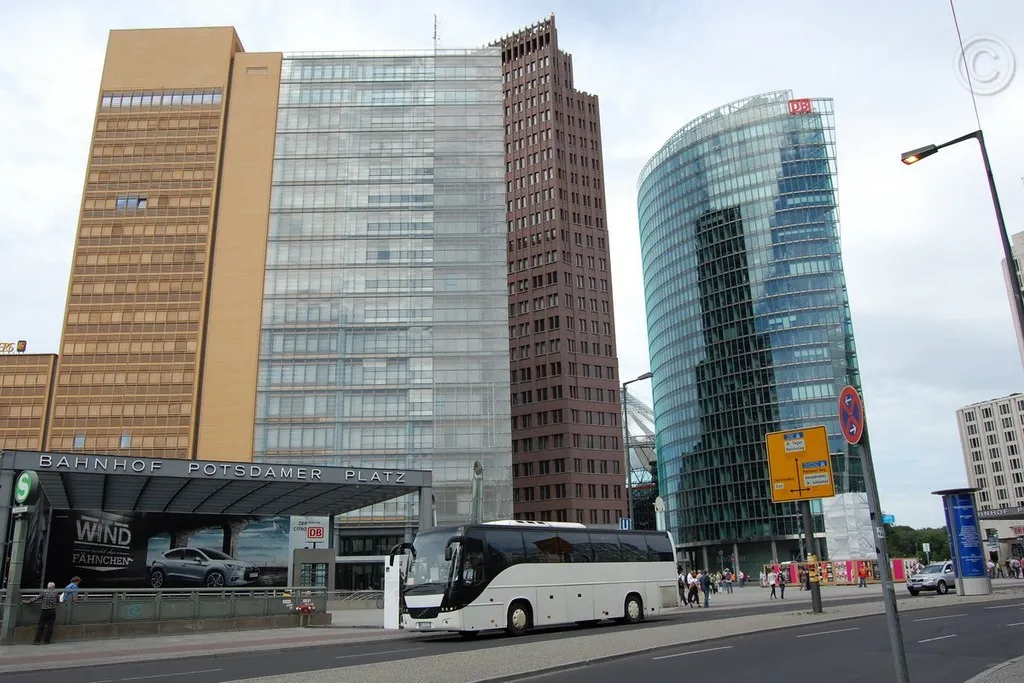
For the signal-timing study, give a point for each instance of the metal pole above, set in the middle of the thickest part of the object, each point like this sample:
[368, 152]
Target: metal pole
[13, 600]
[892, 616]
[1011, 266]
[811, 547]
[625, 451]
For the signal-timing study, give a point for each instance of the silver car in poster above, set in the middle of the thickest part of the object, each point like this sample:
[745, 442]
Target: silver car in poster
[200, 567]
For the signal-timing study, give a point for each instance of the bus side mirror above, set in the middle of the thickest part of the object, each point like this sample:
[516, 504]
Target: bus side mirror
[448, 552]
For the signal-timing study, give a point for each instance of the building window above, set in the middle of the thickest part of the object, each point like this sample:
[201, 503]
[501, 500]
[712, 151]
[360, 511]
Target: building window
[79, 441]
[126, 440]
[130, 202]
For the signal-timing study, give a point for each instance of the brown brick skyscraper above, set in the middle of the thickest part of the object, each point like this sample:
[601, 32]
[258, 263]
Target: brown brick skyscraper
[566, 433]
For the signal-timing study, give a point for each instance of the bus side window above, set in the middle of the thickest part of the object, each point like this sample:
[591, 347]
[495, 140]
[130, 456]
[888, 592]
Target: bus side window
[606, 546]
[577, 543]
[659, 548]
[472, 570]
[634, 547]
[504, 549]
[544, 548]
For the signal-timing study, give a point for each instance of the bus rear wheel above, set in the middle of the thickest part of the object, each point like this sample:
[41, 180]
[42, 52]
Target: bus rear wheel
[633, 611]
[518, 618]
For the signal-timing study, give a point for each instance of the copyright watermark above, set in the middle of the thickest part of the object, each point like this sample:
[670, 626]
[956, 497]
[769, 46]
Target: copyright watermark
[986, 66]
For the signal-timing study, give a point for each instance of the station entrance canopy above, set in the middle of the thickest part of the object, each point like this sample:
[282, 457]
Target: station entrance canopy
[78, 481]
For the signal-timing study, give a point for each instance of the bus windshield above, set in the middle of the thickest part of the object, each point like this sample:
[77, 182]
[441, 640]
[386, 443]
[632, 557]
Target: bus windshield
[430, 565]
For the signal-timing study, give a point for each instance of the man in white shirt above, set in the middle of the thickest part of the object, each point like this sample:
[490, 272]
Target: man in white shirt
[773, 580]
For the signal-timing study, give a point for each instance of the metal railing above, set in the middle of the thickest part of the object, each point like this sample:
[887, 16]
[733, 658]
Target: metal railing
[148, 604]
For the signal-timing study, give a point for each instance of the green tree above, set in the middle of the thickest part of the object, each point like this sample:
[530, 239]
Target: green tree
[905, 541]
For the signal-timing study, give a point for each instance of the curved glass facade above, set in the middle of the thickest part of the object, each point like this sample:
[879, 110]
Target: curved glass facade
[747, 313]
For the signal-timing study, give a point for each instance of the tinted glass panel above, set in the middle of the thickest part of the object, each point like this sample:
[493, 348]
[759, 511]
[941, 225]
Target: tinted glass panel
[660, 549]
[606, 546]
[504, 549]
[578, 545]
[544, 546]
[633, 547]
[174, 554]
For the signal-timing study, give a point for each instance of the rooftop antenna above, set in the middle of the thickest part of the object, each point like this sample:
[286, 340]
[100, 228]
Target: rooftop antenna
[435, 34]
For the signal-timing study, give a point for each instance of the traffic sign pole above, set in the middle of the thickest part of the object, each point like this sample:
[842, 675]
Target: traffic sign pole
[811, 551]
[899, 654]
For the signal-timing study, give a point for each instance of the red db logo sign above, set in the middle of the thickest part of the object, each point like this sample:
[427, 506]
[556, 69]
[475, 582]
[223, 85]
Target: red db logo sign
[801, 106]
[315, 533]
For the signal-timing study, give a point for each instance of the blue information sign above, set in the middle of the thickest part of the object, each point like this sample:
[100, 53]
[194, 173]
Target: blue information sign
[889, 519]
[962, 522]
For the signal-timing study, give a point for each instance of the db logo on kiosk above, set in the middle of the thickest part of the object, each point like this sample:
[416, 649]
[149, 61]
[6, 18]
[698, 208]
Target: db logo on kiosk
[315, 533]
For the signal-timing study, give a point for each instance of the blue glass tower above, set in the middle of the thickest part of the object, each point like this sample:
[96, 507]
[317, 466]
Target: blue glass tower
[748, 319]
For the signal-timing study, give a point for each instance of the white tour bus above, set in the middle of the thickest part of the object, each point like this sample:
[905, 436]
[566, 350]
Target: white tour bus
[516, 575]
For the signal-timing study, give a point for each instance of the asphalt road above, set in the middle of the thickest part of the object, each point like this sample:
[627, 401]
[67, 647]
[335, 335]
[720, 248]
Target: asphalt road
[231, 667]
[947, 645]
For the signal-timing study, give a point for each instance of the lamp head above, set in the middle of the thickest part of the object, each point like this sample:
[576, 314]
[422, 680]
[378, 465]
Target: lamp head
[915, 155]
[646, 375]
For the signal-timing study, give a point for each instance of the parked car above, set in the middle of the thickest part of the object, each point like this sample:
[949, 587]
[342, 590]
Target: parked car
[202, 567]
[938, 577]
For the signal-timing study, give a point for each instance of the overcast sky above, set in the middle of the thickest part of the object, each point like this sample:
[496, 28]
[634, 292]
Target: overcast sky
[920, 244]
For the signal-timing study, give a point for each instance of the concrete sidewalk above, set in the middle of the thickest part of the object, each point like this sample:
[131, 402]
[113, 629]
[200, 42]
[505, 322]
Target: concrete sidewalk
[73, 654]
[1007, 672]
[512, 662]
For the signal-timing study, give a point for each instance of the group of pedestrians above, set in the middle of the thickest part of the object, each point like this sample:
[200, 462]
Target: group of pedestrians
[776, 580]
[700, 581]
[49, 600]
[1010, 569]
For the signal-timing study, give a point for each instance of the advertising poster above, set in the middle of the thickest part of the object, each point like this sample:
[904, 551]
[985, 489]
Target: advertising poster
[962, 519]
[108, 550]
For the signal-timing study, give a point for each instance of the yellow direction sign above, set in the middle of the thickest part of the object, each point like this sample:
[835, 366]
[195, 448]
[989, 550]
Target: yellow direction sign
[799, 465]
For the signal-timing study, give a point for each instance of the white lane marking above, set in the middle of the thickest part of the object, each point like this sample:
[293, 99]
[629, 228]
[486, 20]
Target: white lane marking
[825, 633]
[929, 640]
[382, 652]
[945, 616]
[1005, 606]
[145, 678]
[693, 652]
[1019, 623]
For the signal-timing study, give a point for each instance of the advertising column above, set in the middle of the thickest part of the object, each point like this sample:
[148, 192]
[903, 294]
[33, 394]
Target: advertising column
[966, 542]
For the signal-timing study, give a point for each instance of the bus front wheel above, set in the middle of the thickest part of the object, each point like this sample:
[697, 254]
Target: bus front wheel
[634, 609]
[518, 618]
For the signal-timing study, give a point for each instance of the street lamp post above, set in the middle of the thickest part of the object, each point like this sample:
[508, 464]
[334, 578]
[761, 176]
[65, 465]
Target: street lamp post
[915, 155]
[625, 445]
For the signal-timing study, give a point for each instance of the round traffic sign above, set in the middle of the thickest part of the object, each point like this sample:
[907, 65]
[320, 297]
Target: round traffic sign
[26, 488]
[851, 414]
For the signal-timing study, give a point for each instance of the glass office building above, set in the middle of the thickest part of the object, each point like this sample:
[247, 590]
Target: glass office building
[384, 335]
[748, 320]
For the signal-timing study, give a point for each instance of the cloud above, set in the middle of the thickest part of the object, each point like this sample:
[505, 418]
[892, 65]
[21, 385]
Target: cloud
[920, 250]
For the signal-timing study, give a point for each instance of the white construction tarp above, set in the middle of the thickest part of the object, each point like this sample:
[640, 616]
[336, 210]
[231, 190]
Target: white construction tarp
[848, 527]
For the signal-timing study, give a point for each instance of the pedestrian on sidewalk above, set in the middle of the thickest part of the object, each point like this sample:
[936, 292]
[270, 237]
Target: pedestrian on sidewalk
[782, 585]
[70, 593]
[705, 586]
[772, 580]
[47, 613]
[862, 574]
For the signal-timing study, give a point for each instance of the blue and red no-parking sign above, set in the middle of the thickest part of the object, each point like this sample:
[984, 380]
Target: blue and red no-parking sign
[851, 414]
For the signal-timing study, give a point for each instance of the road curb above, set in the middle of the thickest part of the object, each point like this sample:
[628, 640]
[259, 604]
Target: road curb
[983, 676]
[547, 671]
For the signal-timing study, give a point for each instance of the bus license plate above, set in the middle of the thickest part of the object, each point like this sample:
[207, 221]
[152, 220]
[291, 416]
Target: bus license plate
[423, 624]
